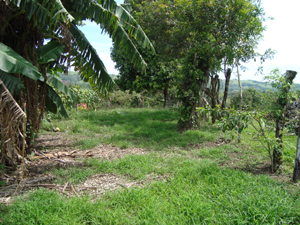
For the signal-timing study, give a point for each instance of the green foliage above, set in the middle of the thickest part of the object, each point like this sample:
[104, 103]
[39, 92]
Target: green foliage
[133, 99]
[252, 99]
[158, 75]
[282, 95]
[87, 96]
[49, 52]
[55, 98]
[205, 33]
[13, 84]
[237, 120]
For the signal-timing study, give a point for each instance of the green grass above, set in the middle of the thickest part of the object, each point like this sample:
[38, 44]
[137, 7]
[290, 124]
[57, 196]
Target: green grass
[198, 193]
[147, 128]
[202, 187]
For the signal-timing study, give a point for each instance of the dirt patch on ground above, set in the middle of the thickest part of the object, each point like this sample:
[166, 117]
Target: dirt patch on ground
[47, 142]
[211, 144]
[57, 151]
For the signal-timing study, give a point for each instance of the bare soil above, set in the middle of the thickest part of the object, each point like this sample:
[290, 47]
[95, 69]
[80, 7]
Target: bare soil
[57, 151]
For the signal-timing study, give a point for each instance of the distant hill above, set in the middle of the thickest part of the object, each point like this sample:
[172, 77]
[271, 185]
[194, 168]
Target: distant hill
[258, 85]
[73, 78]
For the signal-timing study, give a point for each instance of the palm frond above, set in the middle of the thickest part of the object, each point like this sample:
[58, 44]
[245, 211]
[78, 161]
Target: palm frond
[6, 97]
[118, 23]
[11, 119]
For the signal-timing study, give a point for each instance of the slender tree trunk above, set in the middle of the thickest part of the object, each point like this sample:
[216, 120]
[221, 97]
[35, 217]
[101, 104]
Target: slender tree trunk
[296, 174]
[241, 96]
[215, 87]
[166, 95]
[227, 80]
[282, 101]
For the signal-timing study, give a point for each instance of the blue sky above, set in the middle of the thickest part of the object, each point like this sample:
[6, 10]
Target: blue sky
[282, 35]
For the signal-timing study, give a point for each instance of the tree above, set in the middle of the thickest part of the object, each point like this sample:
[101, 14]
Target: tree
[160, 71]
[210, 32]
[283, 84]
[157, 77]
[27, 64]
[252, 98]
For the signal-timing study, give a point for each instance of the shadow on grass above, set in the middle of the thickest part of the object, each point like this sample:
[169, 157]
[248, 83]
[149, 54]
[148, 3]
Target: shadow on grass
[147, 128]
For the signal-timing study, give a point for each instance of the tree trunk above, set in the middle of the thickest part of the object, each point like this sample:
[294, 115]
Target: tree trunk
[192, 87]
[193, 117]
[296, 174]
[282, 101]
[215, 87]
[166, 95]
[11, 119]
[241, 97]
[227, 80]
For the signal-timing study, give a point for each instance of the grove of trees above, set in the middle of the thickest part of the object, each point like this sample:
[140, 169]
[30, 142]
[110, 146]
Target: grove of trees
[198, 39]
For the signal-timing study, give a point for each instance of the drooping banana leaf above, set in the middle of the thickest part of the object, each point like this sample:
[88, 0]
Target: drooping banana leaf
[50, 105]
[49, 52]
[60, 86]
[54, 98]
[13, 84]
[12, 62]
[115, 20]
[46, 14]
[90, 66]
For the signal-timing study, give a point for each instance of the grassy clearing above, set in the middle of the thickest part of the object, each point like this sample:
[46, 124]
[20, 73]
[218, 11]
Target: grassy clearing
[155, 129]
[198, 193]
[201, 188]
[146, 128]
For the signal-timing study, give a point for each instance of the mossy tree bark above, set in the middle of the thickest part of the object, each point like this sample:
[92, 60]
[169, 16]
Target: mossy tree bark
[213, 93]
[280, 120]
[296, 174]
[227, 80]
[191, 89]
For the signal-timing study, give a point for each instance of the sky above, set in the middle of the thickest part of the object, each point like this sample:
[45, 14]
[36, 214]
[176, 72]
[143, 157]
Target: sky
[281, 35]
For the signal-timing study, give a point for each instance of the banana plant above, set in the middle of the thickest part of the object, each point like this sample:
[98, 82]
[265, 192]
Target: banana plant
[11, 62]
[27, 63]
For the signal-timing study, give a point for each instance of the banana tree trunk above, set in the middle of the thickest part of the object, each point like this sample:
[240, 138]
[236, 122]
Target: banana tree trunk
[11, 118]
